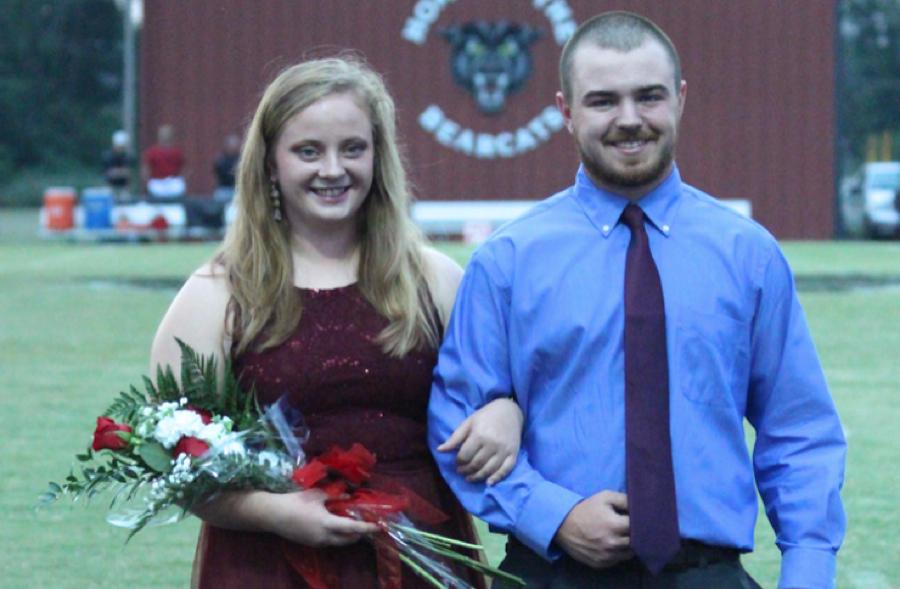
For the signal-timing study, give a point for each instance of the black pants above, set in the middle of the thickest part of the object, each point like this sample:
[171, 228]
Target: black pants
[696, 567]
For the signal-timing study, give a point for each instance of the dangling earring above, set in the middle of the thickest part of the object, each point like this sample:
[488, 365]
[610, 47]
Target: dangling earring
[276, 200]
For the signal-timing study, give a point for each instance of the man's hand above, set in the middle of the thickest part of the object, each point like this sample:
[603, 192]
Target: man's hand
[596, 531]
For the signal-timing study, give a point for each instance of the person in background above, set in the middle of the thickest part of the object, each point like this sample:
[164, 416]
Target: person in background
[163, 166]
[117, 167]
[325, 291]
[638, 321]
[225, 168]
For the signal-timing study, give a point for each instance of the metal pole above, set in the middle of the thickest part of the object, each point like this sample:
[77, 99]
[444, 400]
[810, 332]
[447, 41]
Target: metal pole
[128, 82]
[838, 224]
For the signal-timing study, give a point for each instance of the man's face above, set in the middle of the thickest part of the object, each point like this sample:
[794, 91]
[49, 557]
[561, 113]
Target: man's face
[624, 115]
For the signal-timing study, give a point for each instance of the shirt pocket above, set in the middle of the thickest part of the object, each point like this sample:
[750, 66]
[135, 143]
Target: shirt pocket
[712, 353]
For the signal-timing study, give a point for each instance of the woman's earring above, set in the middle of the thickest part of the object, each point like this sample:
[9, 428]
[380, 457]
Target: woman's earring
[276, 200]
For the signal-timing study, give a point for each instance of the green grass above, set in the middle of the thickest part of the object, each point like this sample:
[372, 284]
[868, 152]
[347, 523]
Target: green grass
[71, 336]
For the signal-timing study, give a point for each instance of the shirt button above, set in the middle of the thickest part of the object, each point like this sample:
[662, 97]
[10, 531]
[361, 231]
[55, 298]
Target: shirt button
[606, 229]
[665, 228]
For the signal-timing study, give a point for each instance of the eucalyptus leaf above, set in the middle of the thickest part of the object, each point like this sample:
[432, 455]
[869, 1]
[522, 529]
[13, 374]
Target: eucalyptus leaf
[45, 498]
[155, 456]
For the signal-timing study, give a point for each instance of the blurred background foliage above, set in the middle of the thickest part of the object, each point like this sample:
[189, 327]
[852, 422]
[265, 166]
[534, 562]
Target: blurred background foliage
[61, 71]
[868, 81]
[60, 93]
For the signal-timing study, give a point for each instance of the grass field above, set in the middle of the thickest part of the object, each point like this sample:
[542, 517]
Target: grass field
[76, 323]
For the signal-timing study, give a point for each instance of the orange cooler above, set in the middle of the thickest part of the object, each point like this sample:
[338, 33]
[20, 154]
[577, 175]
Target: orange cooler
[59, 207]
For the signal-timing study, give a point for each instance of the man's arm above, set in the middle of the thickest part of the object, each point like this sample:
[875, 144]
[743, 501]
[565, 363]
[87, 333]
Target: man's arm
[473, 369]
[800, 448]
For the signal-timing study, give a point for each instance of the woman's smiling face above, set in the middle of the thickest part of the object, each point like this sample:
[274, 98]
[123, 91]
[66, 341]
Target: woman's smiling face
[324, 161]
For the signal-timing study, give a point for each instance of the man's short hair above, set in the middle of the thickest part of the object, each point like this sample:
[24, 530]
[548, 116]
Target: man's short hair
[618, 30]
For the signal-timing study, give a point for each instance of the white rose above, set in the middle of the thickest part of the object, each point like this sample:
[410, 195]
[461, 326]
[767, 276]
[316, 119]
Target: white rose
[173, 427]
[212, 433]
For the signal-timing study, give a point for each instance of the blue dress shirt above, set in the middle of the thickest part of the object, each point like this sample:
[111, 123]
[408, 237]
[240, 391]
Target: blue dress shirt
[539, 316]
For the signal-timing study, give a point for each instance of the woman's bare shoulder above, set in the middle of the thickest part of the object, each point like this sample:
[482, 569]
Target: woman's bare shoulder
[197, 316]
[211, 271]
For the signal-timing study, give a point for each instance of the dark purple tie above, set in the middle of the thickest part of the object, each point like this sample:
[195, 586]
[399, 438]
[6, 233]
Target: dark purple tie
[648, 449]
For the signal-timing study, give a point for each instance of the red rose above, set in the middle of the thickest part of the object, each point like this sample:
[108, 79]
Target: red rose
[105, 436]
[310, 474]
[191, 446]
[205, 416]
[354, 464]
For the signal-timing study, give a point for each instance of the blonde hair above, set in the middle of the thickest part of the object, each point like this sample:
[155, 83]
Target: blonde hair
[256, 253]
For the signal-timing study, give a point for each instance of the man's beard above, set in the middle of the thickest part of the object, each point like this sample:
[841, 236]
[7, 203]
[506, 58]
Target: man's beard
[610, 176]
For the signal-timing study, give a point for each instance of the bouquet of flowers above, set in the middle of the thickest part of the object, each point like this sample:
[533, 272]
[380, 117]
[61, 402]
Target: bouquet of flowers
[173, 446]
[178, 443]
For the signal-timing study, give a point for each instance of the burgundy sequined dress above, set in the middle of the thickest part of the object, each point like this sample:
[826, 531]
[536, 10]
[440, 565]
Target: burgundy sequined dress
[349, 391]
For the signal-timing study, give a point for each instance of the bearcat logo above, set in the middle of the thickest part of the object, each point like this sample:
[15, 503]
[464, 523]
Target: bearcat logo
[491, 60]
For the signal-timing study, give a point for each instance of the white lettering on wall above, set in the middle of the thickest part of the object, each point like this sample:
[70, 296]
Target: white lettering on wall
[559, 13]
[424, 14]
[505, 144]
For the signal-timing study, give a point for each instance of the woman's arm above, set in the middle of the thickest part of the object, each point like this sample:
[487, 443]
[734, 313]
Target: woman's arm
[487, 442]
[197, 316]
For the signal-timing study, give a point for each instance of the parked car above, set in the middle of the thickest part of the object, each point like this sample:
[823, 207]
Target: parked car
[870, 200]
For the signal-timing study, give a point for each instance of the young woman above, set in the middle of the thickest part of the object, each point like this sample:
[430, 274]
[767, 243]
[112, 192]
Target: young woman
[324, 291]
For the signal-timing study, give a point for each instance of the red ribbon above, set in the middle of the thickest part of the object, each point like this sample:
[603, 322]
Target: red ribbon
[353, 491]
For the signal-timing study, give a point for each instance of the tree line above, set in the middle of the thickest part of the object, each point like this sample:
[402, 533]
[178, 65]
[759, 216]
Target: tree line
[60, 88]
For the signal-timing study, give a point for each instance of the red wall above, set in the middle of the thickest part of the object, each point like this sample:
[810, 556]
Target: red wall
[758, 124]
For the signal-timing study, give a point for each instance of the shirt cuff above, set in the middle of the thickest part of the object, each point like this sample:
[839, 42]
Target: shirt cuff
[807, 568]
[542, 514]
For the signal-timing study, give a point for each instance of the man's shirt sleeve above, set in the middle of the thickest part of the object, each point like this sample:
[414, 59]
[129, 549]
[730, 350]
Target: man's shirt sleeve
[800, 448]
[473, 369]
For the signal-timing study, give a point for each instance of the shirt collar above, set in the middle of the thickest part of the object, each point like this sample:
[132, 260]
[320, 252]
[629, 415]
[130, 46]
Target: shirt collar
[604, 208]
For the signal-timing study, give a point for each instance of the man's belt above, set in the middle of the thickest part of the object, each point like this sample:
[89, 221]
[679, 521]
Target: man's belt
[691, 555]
[697, 554]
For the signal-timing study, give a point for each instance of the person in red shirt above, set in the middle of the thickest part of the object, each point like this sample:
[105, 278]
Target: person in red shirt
[164, 165]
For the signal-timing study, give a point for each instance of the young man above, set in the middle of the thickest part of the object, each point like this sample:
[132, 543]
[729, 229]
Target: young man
[117, 164]
[637, 322]
[163, 166]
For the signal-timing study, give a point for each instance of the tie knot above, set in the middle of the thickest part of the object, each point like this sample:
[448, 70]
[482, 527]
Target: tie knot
[633, 216]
